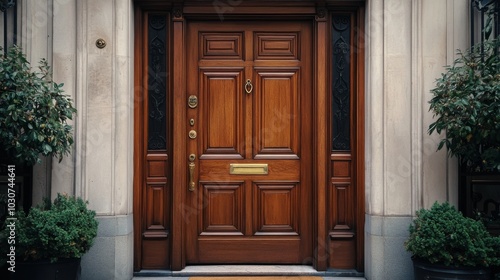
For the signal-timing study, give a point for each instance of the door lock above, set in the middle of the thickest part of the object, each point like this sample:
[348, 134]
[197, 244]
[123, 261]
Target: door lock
[192, 157]
[192, 134]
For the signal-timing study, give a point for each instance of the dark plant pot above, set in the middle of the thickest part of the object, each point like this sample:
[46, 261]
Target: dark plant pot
[425, 270]
[63, 269]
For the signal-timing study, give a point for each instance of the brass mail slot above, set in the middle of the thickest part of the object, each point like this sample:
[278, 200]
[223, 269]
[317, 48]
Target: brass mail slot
[248, 168]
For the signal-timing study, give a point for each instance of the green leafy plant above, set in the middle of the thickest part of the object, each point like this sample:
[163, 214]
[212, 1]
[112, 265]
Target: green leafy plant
[466, 102]
[62, 229]
[443, 235]
[33, 110]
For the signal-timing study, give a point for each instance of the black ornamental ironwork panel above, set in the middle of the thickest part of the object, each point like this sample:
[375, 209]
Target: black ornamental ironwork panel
[157, 82]
[341, 108]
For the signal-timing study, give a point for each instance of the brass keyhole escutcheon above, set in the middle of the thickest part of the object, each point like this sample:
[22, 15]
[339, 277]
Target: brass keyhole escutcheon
[193, 101]
[191, 122]
[192, 157]
[192, 134]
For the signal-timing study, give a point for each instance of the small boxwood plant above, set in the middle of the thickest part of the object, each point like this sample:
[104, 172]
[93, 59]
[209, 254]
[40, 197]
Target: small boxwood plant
[444, 236]
[64, 228]
[34, 111]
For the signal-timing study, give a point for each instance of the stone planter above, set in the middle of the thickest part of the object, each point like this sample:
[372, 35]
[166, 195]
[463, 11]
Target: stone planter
[64, 269]
[423, 270]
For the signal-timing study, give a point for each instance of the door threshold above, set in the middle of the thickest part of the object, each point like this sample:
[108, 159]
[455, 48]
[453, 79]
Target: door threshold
[249, 270]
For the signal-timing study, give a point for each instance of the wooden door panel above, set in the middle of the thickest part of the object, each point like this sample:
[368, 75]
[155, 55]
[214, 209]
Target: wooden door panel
[155, 220]
[285, 250]
[221, 112]
[276, 208]
[276, 46]
[222, 211]
[277, 113]
[216, 45]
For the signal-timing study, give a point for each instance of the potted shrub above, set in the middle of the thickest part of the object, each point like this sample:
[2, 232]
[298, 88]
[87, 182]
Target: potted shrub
[466, 101]
[50, 239]
[447, 245]
[34, 115]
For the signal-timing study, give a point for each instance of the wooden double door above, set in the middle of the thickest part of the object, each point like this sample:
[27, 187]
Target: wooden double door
[248, 142]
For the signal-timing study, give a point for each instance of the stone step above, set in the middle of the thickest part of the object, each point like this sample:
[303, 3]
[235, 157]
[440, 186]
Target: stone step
[246, 270]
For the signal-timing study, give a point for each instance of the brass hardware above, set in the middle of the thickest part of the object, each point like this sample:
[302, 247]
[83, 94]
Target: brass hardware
[100, 43]
[193, 101]
[191, 176]
[191, 165]
[192, 134]
[192, 157]
[248, 168]
[248, 86]
[191, 122]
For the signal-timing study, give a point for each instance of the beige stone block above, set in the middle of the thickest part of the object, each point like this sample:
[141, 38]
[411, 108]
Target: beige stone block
[99, 87]
[98, 158]
[100, 25]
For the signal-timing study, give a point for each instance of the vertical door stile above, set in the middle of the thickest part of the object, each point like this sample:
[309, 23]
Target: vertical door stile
[179, 169]
[321, 136]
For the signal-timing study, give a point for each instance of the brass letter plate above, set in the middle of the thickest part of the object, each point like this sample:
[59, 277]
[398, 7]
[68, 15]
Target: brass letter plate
[248, 168]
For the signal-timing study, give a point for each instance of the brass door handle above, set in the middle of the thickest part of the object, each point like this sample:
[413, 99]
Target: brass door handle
[248, 86]
[191, 186]
[191, 177]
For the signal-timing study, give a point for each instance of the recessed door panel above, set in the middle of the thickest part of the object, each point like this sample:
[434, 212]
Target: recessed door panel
[222, 211]
[277, 46]
[217, 46]
[277, 113]
[221, 112]
[276, 208]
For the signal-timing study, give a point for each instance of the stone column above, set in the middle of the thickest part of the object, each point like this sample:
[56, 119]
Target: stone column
[35, 37]
[64, 65]
[408, 43]
[100, 80]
